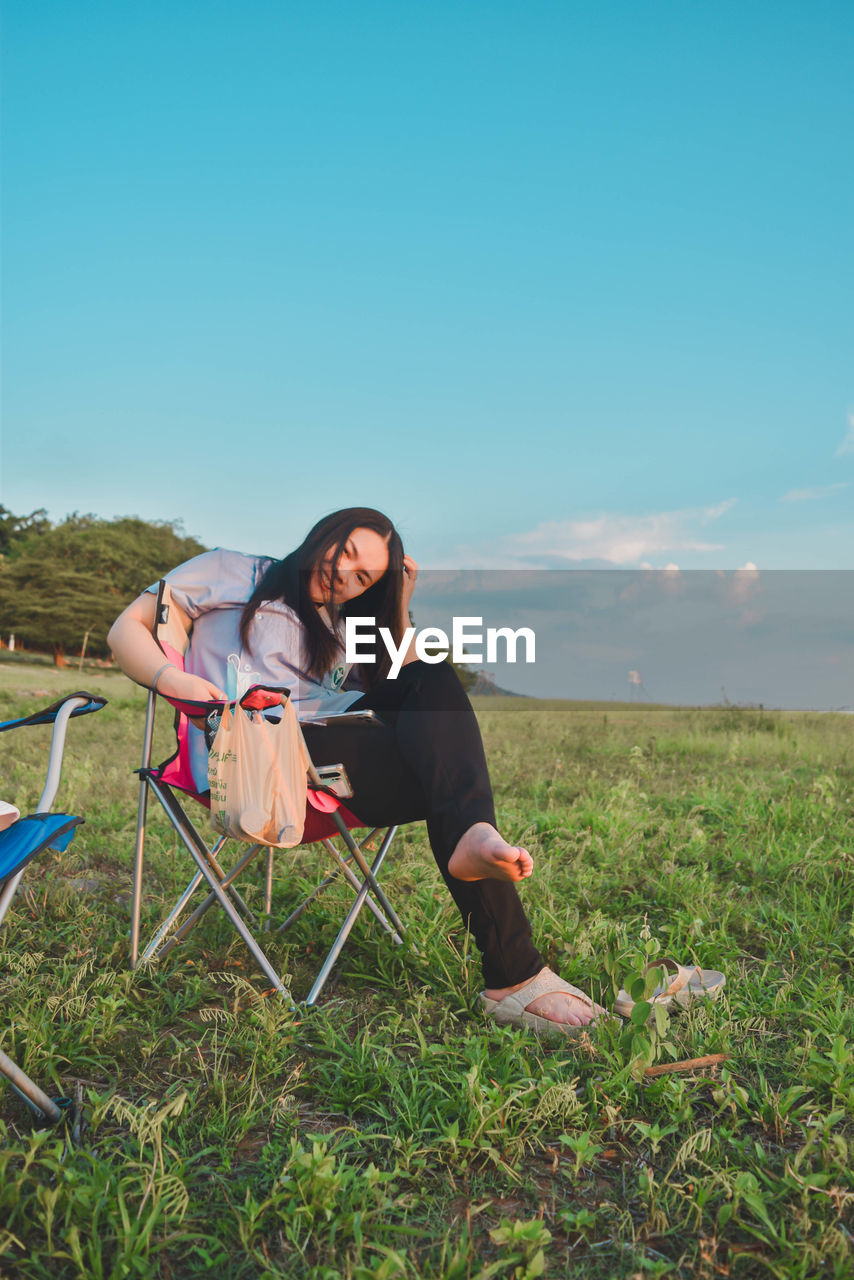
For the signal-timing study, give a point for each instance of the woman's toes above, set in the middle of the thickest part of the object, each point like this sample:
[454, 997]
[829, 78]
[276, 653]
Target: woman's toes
[483, 855]
[559, 1006]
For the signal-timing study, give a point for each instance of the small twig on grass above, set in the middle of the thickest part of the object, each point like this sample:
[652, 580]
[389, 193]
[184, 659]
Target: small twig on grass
[687, 1064]
[77, 1127]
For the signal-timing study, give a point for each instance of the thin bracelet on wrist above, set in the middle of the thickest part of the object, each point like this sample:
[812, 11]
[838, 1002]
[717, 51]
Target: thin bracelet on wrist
[153, 684]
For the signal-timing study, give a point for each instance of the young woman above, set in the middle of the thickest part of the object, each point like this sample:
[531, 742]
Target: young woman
[253, 620]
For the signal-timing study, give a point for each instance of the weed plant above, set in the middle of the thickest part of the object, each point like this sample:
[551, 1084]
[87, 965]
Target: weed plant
[392, 1133]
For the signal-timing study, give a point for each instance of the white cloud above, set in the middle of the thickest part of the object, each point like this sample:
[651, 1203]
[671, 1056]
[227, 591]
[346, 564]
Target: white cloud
[715, 513]
[609, 539]
[847, 445]
[818, 491]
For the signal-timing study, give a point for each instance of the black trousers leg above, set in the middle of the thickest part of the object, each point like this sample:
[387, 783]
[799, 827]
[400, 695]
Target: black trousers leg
[427, 762]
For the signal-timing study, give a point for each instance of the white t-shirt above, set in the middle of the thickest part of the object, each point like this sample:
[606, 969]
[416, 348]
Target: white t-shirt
[212, 589]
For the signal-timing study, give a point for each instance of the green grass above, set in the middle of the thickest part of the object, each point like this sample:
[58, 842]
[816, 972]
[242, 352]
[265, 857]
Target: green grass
[392, 1133]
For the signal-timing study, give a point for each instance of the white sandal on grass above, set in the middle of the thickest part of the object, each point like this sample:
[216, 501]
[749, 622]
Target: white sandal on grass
[511, 1011]
[686, 987]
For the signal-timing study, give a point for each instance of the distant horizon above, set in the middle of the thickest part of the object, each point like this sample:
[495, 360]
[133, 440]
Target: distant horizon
[112, 668]
[651, 704]
[776, 640]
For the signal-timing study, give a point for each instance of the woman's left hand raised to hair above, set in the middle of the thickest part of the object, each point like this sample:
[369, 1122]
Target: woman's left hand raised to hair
[410, 573]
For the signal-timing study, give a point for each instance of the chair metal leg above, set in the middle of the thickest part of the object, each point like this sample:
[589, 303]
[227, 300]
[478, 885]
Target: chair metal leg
[306, 903]
[236, 919]
[347, 837]
[139, 849]
[268, 890]
[160, 940]
[355, 884]
[166, 925]
[200, 855]
[164, 928]
[352, 915]
[226, 884]
[353, 846]
[227, 878]
[27, 1089]
[192, 840]
[8, 892]
[138, 862]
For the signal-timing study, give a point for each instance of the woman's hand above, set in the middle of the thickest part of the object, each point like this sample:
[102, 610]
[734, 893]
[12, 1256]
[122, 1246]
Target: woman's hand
[186, 687]
[410, 573]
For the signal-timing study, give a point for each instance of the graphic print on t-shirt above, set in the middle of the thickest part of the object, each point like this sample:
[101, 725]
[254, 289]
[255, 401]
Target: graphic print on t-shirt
[239, 677]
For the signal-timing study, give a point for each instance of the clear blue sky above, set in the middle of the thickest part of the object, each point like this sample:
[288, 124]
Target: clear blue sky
[552, 283]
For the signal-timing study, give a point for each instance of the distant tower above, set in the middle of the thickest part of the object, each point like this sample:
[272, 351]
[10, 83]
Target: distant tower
[636, 688]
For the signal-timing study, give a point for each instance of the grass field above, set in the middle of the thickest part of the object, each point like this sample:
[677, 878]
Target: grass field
[393, 1133]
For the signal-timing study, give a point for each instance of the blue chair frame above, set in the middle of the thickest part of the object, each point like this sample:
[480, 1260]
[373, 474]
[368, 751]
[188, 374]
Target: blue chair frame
[22, 842]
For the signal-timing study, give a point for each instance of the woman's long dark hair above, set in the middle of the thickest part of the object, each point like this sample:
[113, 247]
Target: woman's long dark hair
[288, 580]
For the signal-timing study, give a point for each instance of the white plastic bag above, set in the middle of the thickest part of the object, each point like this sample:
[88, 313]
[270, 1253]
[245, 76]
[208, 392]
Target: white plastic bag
[257, 776]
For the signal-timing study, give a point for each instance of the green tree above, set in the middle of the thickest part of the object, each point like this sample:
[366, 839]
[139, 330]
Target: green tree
[13, 529]
[59, 584]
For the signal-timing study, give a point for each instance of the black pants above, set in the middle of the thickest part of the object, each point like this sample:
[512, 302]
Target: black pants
[427, 762]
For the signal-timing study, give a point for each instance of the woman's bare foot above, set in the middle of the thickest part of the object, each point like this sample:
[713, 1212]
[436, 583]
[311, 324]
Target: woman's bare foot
[482, 854]
[556, 1006]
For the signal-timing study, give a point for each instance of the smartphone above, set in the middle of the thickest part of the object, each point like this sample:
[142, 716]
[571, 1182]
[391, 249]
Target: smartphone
[334, 776]
[345, 718]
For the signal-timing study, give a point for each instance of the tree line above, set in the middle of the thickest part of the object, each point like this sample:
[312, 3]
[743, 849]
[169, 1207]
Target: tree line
[62, 585]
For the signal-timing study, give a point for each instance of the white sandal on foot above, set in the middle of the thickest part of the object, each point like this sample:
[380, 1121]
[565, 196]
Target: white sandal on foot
[511, 1011]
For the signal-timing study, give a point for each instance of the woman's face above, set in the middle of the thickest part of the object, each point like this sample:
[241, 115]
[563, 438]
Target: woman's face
[362, 562]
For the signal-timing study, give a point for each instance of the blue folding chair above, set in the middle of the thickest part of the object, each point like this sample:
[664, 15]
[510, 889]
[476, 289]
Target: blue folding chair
[22, 842]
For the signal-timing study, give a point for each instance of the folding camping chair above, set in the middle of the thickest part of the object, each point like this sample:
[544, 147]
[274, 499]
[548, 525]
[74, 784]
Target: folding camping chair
[326, 817]
[21, 842]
